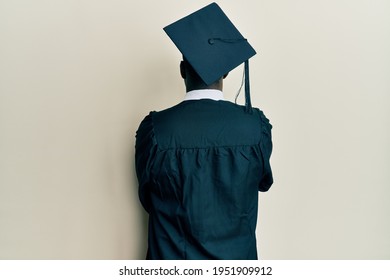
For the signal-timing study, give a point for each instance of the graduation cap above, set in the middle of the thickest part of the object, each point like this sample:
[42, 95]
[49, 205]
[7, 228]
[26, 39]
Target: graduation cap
[212, 45]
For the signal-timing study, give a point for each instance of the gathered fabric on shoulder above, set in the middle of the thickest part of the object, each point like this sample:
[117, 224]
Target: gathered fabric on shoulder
[200, 165]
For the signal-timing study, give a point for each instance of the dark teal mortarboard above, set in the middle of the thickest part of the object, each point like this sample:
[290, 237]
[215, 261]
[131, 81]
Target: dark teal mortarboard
[212, 45]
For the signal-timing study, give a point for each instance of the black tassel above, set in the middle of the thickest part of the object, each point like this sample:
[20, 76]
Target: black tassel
[248, 104]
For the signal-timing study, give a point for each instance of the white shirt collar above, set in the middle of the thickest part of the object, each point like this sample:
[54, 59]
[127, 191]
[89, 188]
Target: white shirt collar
[213, 94]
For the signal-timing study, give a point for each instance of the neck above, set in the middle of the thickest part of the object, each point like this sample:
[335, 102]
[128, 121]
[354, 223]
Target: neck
[217, 85]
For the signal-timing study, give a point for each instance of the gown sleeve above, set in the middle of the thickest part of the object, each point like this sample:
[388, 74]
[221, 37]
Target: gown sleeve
[266, 150]
[145, 151]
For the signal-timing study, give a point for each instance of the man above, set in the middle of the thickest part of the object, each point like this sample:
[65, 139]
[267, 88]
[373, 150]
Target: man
[201, 163]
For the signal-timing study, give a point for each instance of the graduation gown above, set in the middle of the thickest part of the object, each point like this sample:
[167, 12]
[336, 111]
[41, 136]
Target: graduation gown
[200, 165]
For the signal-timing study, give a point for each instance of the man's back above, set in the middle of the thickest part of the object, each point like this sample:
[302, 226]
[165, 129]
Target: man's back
[200, 165]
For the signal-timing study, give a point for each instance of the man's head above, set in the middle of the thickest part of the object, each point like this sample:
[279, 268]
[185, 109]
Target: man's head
[213, 46]
[193, 81]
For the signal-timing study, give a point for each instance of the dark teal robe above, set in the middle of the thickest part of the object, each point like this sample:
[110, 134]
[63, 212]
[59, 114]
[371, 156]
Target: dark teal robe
[200, 165]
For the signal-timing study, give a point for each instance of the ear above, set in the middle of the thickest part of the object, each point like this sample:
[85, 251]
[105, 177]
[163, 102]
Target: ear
[183, 70]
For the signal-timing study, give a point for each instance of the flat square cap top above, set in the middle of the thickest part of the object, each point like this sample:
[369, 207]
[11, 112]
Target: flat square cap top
[210, 42]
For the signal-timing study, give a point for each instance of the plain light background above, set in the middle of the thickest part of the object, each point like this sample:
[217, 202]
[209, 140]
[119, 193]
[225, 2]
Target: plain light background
[77, 77]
